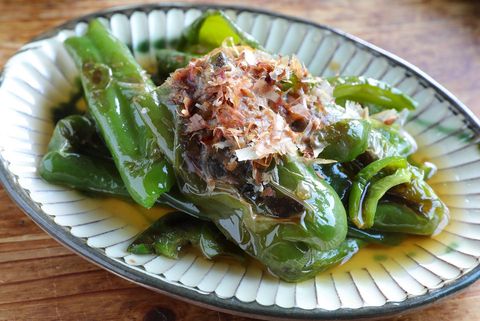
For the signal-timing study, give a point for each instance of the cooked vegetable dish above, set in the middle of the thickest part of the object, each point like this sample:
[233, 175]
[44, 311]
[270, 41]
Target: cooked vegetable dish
[258, 157]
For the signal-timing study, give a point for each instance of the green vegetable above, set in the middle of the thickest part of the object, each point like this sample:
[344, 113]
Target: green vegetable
[376, 237]
[412, 208]
[209, 31]
[366, 193]
[429, 169]
[389, 140]
[370, 91]
[321, 224]
[294, 262]
[111, 80]
[76, 158]
[338, 177]
[172, 232]
[170, 60]
[345, 139]
[167, 237]
[391, 195]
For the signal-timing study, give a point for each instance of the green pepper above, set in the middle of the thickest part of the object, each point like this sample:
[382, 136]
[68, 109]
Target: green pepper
[365, 194]
[389, 140]
[376, 237]
[412, 208]
[302, 229]
[78, 158]
[66, 163]
[294, 262]
[395, 202]
[320, 226]
[84, 128]
[170, 60]
[429, 169]
[322, 223]
[173, 231]
[111, 80]
[345, 139]
[370, 91]
[337, 176]
[209, 31]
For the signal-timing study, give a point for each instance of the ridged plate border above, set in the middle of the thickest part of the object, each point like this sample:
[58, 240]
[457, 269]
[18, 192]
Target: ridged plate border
[234, 305]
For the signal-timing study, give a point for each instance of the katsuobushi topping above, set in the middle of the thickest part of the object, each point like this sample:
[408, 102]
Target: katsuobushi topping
[250, 105]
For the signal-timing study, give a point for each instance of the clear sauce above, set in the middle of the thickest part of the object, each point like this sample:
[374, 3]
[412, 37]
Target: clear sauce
[134, 214]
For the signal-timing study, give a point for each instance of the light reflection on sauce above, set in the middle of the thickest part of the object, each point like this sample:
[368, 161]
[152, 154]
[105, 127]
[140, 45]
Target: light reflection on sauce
[135, 215]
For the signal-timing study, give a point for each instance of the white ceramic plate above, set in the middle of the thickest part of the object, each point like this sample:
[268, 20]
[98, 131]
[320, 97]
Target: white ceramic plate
[42, 75]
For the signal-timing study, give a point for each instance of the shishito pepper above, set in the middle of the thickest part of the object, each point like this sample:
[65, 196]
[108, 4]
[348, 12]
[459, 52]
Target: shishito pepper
[170, 233]
[319, 232]
[209, 31]
[412, 207]
[345, 139]
[77, 158]
[301, 212]
[360, 214]
[206, 33]
[370, 91]
[294, 262]
[391, 195]
[111, 80]
[389, 140]
[321, 223]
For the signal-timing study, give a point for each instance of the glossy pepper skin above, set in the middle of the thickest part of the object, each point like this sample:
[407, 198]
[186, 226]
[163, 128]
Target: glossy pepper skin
[111, 80]
[171, 60]
[391, 195]
[173, 231]
[322, 225]
[370, 91]
[412, 208]
[376, 237]
[76, 158]
[345, 139]
[293, 262]
[389, 140]
[209, 31]
[362, 206]
[287, 248]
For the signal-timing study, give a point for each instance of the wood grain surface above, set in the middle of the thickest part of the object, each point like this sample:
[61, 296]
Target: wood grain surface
[42, 280]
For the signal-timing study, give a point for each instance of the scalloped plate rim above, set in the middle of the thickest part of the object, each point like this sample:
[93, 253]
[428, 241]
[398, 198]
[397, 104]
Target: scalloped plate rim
[234, 305]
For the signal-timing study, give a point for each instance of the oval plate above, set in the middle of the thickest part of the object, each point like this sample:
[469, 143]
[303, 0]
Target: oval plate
[444, 128]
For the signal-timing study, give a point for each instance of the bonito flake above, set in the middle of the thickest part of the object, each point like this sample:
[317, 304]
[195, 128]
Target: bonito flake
[256, 104]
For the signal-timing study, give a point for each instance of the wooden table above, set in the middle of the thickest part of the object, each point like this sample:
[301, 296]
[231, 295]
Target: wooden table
[42, 280]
